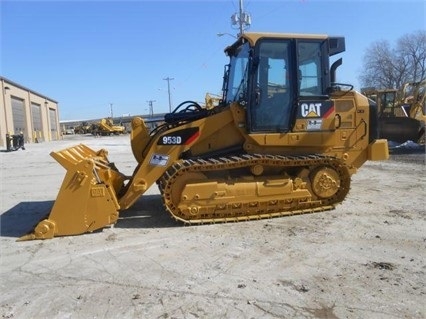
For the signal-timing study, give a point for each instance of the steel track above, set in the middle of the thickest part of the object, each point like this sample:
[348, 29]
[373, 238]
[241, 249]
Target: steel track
[262, 209]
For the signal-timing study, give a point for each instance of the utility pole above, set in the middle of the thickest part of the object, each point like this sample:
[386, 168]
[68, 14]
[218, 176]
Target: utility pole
[168, 79]
[110, 106]
[241, 18]
[151, 107]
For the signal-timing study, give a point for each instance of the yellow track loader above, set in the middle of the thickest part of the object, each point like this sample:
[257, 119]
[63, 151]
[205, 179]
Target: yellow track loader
[284, 139]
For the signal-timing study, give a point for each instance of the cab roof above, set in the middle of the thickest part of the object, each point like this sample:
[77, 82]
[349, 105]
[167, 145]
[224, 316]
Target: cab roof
[253, 37]
[336, 44]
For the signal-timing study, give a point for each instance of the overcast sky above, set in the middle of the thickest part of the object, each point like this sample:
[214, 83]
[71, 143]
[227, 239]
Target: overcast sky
[88, 54]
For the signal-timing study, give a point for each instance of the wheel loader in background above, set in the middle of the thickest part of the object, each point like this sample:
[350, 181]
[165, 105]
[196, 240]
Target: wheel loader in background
[402, 112]
[285, 139]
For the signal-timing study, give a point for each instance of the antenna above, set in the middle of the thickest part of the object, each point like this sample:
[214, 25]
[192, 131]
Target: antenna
[242, 19]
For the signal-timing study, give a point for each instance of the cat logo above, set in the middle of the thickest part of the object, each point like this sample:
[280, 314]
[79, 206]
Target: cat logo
[311, 109]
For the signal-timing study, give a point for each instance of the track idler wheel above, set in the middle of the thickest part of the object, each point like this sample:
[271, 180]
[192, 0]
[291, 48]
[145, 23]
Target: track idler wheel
[325, 182]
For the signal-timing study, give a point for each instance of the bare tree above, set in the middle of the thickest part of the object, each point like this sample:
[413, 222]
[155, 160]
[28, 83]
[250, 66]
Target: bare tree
[386, 67]
[412, 48]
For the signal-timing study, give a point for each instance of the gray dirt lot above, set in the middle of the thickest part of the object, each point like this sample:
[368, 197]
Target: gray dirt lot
[365, 259]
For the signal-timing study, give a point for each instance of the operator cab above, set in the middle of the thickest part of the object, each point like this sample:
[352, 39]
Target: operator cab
[279, 77]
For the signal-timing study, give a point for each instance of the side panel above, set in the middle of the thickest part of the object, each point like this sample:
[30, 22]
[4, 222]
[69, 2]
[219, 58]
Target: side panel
[315, 116]
[313, 131]
[352, 128]
[339, 127]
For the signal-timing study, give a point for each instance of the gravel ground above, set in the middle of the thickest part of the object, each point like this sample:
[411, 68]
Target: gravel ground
[365, 259]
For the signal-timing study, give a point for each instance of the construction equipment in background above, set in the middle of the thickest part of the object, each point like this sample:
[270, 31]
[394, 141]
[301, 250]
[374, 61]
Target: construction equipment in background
[84, 128]
[402, 112]
[107, 127]
[212, 100]
[285, 139]
[414, 105]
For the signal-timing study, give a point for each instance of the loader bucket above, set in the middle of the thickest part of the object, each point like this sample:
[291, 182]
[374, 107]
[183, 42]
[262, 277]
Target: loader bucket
[400, 129]
[87, 198]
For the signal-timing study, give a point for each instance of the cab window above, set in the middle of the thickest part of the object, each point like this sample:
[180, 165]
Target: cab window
[310, 75]
[271, 102]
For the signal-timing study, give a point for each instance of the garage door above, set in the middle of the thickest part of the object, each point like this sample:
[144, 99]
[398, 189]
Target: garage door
[53, 124]
[18, 114]
[37, 123]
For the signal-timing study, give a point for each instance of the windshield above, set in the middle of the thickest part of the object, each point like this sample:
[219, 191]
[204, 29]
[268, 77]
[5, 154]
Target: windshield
[237, 81]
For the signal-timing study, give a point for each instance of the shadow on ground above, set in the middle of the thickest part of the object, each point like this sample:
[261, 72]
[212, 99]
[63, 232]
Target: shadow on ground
[147, 212]
[21, 219]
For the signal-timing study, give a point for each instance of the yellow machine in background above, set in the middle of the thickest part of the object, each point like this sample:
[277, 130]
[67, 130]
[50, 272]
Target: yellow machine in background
[212, 100]
[83, 128]
[414, 105]
[284, 139]
[107, 127]
[402, 112]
